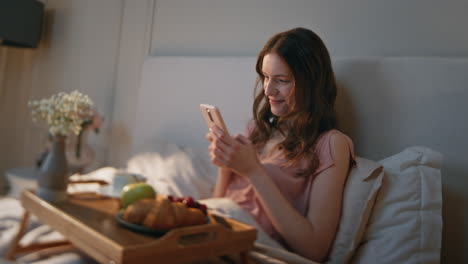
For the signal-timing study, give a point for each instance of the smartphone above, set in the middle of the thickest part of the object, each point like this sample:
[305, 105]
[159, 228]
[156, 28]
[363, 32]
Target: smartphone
[212, 116]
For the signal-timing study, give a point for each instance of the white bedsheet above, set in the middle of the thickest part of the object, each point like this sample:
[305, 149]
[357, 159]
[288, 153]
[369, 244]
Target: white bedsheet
[10, 217]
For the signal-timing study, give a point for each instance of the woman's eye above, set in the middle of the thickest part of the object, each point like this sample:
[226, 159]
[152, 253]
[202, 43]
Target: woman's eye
[283, 81]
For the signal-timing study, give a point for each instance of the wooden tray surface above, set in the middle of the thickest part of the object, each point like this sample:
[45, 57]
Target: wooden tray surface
[90, 224]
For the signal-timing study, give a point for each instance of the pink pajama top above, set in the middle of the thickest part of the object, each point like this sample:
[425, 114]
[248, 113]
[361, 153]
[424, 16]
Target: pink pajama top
[295, 189]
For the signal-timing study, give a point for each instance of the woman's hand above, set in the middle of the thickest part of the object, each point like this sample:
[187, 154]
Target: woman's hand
[224, 174]
[210, 137]
[236, 153]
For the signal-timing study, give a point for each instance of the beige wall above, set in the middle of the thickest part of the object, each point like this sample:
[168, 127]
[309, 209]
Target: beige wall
[78, 51]
[349, 28]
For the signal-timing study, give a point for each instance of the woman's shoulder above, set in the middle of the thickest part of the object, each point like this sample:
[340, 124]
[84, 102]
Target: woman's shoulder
[333, 133]
[328, 139]
[325, 145]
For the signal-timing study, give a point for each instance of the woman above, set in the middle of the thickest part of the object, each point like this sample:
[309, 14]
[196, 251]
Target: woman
[290, 171]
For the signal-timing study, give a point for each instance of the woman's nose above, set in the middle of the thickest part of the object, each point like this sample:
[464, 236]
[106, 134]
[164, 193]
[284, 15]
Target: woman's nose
[269, 88]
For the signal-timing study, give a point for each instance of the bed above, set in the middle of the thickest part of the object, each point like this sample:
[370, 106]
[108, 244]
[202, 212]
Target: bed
[403, 114]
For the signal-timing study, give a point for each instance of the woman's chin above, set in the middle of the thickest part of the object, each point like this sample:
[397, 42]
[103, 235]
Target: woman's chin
[279, 111]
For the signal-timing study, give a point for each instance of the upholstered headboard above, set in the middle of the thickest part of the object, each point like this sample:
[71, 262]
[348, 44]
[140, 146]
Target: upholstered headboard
[384, 104]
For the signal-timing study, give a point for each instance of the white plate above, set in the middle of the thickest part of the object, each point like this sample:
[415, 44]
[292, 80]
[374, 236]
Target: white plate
[107, 190]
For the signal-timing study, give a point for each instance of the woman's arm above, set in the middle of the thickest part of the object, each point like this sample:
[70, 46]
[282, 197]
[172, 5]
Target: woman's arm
[224, 176]
[309, 236]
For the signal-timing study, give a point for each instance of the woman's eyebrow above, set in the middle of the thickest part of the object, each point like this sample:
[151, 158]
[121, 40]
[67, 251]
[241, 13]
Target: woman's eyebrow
[277, 75]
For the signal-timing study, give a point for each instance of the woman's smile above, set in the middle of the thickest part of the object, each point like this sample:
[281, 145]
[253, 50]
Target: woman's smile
[276, 101]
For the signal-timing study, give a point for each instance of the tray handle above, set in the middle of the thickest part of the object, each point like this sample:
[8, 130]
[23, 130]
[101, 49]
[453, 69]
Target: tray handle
[195, 236]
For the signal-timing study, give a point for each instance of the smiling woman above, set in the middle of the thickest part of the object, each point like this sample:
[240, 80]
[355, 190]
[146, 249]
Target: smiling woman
[292, 165]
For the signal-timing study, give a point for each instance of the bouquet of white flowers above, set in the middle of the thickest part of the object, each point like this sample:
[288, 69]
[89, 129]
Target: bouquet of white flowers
[64, 113]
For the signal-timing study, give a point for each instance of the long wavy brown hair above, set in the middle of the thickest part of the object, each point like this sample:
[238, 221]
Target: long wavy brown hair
[312, 111]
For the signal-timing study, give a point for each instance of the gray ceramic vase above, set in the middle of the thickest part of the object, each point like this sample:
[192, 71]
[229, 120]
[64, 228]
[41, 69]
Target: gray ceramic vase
[53, 177]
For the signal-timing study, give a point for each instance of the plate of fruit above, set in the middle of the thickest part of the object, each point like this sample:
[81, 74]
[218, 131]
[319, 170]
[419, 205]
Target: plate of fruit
[157, 214]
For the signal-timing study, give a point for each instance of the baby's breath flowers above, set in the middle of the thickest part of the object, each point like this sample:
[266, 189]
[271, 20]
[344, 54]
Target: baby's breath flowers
[64, 113]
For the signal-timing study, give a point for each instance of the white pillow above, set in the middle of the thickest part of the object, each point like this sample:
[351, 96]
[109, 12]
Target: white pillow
[362, 186]
[406, 224]
[176, 171]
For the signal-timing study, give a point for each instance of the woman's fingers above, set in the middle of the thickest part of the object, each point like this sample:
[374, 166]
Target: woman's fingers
[223, 148]
[221, 153]
[209, 136]
[242, 139]
[218, 162]
[218, 157]
[218, 150]
[219, 132]
[218, 143]
[216, 130]
[226, 147]
[222, 139]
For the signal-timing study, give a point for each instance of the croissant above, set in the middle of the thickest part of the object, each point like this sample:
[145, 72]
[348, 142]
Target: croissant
[160, 213]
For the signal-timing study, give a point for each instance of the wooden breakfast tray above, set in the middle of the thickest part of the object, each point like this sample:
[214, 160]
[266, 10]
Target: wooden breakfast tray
[90, 225]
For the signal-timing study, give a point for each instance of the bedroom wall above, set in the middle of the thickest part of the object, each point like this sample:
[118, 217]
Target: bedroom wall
[349, 28]
[78, 50]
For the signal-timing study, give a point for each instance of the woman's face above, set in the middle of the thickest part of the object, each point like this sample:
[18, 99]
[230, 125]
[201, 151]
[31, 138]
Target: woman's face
[278, 84]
